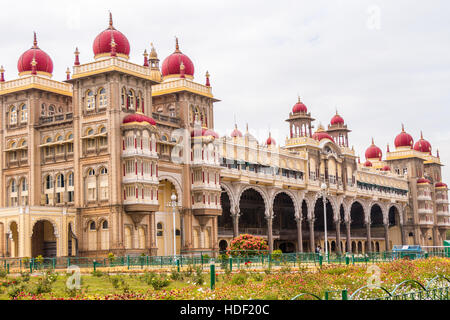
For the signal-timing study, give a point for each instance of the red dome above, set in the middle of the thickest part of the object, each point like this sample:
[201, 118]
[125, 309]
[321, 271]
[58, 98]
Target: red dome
[44, 63]
[171, 65]
[367, 164]
[236, 133]
[423, 180]
[422, 145]
[299, 107]
[373, 152]
[138, 117]
[386, 168]
[403, 139]
[440, 185]
[102, 43]
[337, 119]
[270, 141]
[204, 132]
[321, 134]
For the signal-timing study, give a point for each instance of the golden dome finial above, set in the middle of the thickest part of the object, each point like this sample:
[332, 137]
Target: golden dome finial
[33, 62]
[110, 21]
[35, 40]
[177, 47]
[182, 66]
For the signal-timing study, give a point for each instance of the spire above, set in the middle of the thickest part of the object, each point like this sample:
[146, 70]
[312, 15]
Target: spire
[373, 143]
[207, 79]
[145, 58]
[2, 74]
[68, 73]
[177, 47]
[298, 96]
[246, 127]
[437, 150]
[421, 135]
[35, 41]
[153, 53]
[182, 70]
[110, 21]
[403, 128]
[388, 148]
[77, 58]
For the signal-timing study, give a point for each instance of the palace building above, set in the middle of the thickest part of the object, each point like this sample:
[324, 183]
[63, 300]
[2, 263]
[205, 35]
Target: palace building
[89, 166]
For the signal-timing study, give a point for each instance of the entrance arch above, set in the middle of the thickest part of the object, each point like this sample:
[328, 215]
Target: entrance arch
[284, 223]
[357, 223]
[43, 240]
[252, 209]
[225, 221]
[13, 240]
[164, 218]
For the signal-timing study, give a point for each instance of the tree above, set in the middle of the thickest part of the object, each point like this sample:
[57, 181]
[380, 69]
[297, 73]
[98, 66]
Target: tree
[247, 245]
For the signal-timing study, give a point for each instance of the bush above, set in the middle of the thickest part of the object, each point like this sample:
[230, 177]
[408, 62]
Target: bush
[247, 245]
[43, 286]
[14, 291]
[239, 279]
[3, 273]
[276, 255]
[159, 282]
[175, 275]
[25, 276]
[111, 257]
[257, 276]
[198, 278]
[39, 259]
[97, 273]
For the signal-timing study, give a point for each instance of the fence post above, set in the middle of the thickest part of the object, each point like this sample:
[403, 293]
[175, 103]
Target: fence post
[320, 263]
[54, 263]
[128, 262]
[347, 260]
[213, 276]
[344, 295]
[326, 295]
[94, 263]
[161, 262]
[178, 265]
[231, 264]
[68, 262]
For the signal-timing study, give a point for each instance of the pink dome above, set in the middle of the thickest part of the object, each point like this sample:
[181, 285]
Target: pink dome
[422, 145]
[337, 119]
[423, 181]
[367, 164]
[43, 61]
[440, 185]
[373, 152]
[403, 139]
[138, 117]
[171, 65]
[102, 43]
[299, 107]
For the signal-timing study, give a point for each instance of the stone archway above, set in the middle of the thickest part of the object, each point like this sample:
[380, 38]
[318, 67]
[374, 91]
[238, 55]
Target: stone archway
[284, 222]
[43, 239]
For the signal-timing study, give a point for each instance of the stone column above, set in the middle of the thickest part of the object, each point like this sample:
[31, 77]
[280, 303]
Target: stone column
[386, 236]
[269, 232]
[369, 238]
[299, 235]
[349, 240]
[235, 218]
[311, 234]
[338, 236]
[402, 234]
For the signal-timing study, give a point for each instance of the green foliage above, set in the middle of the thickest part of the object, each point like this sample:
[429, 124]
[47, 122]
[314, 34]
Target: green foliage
[276, 255]
[44, 285]
[268, 271]
[239, 279]
[15, 290]
[111, 257]
[257, 276]
[25, 276]
[175, 275]
[39, 259]
[159, 282]
[25, 260]
[97, 273]
[198, 278]
[3, 273]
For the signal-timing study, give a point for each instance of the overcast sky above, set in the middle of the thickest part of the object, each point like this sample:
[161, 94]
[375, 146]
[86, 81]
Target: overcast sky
[380, 63]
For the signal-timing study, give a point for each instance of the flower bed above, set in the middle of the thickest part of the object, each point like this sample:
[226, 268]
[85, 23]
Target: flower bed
[284, 283]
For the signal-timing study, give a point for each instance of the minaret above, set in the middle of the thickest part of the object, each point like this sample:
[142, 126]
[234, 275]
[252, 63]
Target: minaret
[338, 130]
[68, 73]
[2, 74]
[300, 121]
[145, 58]
[207, 80]
[77, 58]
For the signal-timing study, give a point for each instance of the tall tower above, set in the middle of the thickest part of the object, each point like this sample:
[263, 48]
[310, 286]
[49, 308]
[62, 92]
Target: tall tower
[300, 121]
[338, 130]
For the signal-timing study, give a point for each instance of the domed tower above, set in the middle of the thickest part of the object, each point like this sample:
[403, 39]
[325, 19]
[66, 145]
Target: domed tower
[300, 121]
[155, 73]
[109, 41]
[172, 65]
[338, 130]
[35, 61]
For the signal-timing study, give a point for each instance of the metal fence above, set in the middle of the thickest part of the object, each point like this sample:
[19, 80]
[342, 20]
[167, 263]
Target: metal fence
[249, 259]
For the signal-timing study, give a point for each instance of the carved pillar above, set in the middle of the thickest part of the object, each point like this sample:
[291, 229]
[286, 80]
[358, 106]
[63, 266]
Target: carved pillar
[235, 218]
[299, 235]
[386, 236]
[349, 239]
[311, 234]
[338, 236]
[369, 238]
[269, 232]
[402, 234]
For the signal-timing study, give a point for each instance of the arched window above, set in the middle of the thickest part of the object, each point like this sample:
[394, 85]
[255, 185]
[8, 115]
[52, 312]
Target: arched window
[131, 97]
[23, 113]
[124, 96]
[102, 100]
[90, 100]
[70, 144]
[105, 225]
[91, 172]
[24, 184]
[70, 178]
[51, 110]
[92, 225]
[60, 181]
[60, 110]
[13, 186]
[43, 110]
[49, 182]
[103, 171]
[13, 115]
[172, 112]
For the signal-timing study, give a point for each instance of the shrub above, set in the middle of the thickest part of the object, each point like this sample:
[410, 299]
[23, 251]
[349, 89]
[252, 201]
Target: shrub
[159, 282]
[39, 259]
[14, 291]
[25, 276]
[42, 286]
[111, 257]
[247, 245]
[147, 277]
[97, 273]
[175, 275]
[198, 278]
[3, 273]
[276, 255]
[257, 276]
[25, 260]
[239, 279]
